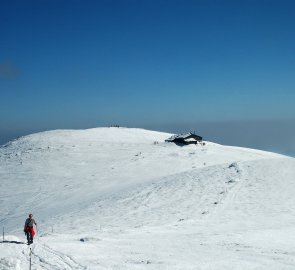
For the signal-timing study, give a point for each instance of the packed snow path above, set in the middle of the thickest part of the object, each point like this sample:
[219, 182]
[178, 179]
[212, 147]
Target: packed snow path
[43, 257]
[110, 198]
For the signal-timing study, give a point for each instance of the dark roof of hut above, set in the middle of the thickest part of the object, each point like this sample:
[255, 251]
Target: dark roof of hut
[184, 136]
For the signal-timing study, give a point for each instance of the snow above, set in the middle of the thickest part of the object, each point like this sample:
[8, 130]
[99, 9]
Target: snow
[109, 198]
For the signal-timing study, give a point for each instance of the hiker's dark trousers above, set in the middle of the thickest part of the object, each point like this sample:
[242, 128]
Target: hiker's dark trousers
[29, 237]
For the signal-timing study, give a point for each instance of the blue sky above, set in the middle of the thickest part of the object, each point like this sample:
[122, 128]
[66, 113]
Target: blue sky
[167, 65]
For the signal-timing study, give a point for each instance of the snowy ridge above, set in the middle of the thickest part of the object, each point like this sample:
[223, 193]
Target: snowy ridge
[109, 198]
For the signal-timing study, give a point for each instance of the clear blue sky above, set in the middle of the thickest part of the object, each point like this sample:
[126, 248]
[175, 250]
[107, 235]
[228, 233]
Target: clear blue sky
[79, 64]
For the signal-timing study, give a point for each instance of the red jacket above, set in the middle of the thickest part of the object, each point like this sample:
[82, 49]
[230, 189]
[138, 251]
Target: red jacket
[29, 230]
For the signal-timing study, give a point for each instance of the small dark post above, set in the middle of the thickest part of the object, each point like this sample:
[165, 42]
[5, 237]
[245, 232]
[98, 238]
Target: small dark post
[30, 258]
[3, 234]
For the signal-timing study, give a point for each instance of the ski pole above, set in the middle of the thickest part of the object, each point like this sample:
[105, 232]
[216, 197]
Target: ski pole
[37, 232]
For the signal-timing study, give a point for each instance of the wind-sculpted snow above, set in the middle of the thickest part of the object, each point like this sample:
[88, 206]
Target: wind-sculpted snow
[112, 198]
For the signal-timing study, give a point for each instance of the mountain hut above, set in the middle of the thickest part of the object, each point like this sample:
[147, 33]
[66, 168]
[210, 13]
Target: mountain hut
[188, 138]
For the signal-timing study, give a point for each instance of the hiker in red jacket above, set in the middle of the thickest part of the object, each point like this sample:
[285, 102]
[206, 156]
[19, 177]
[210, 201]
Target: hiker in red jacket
[29, 228]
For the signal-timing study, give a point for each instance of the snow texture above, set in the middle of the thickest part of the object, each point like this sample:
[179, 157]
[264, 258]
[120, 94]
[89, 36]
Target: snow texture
[109, 198]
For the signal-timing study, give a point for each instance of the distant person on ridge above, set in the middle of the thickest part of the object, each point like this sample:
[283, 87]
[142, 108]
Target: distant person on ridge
[29, 228]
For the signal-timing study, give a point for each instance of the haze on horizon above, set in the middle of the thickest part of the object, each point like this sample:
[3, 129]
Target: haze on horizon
[224, 69]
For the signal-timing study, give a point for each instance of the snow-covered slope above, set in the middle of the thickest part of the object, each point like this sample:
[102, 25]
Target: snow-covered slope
[112, 198]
